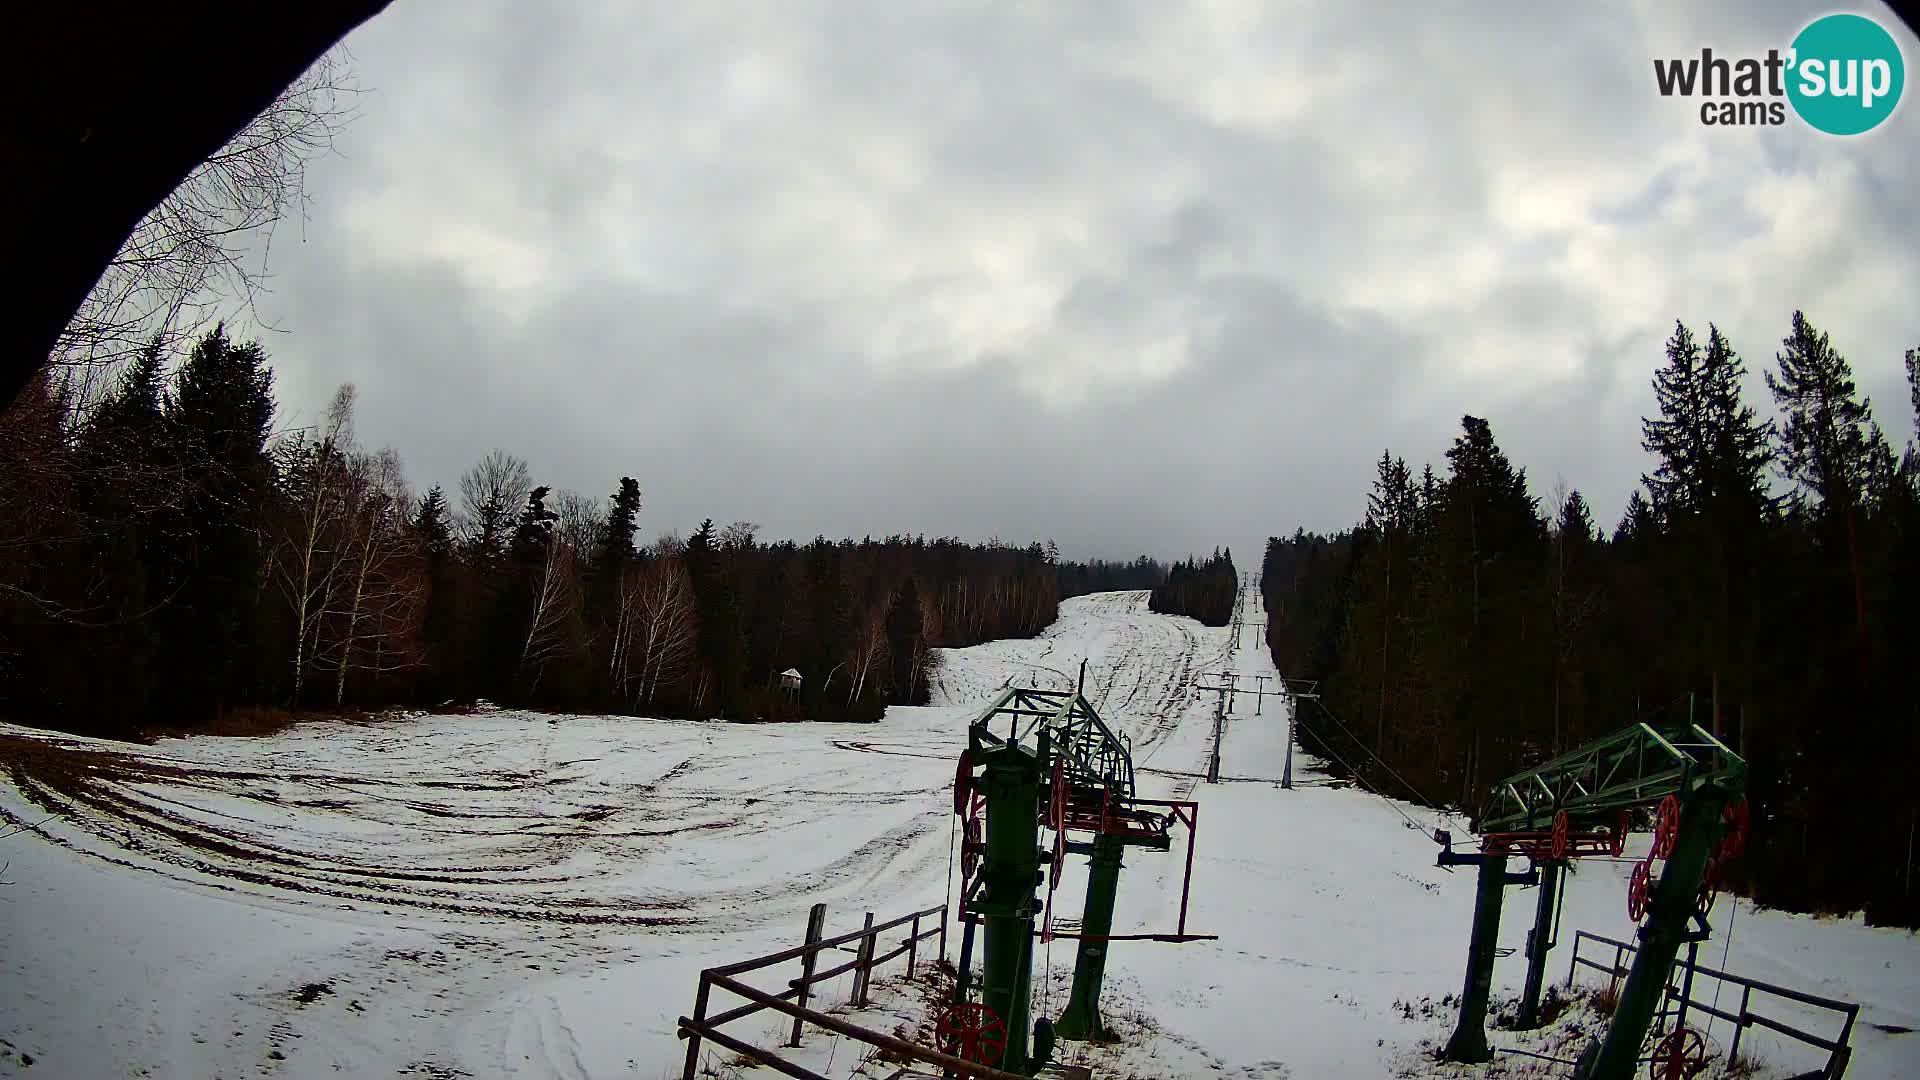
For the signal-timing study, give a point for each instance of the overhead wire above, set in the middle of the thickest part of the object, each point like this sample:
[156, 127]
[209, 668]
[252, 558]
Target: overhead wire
[1417, 794]
[1362, 781]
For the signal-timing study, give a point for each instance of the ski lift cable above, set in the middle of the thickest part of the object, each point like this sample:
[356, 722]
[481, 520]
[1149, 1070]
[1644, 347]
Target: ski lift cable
[953, 827]
[1390, 771]
[1358, 778]
[1727, 948]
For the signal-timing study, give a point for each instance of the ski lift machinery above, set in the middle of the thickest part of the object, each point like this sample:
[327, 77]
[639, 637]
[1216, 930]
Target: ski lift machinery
[1580, 805]
[1044, 759]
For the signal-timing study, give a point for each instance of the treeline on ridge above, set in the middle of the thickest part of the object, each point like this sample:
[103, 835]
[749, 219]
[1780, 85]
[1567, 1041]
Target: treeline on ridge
[167, 557]
[1461, 634]
[1203, 590]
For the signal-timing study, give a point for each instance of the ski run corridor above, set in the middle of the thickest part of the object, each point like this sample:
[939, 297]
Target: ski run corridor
[510, 894]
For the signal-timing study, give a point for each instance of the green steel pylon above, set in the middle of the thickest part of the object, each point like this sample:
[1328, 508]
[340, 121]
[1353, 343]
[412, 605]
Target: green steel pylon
[1024, 742]
[1634, 767]
[1010, 870]
[1081, 1020]
[1539, 941]
[1469, 1041]
[1669, 910]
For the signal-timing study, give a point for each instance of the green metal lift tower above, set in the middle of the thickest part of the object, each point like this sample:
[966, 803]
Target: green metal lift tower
[1580, 804]
[1044, 759]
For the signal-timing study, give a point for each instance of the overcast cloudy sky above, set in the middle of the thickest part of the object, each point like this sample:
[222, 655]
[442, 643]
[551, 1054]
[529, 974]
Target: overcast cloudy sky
[1139, 276]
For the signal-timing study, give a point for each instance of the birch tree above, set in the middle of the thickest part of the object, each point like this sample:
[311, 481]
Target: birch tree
[316, 482]
[382, 591]
[664, 630]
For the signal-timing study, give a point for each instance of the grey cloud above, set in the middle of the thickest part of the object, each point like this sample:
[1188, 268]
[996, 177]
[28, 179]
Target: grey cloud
[1135, 276]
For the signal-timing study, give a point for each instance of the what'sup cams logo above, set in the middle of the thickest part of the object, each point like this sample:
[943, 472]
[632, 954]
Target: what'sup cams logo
[1843, 75]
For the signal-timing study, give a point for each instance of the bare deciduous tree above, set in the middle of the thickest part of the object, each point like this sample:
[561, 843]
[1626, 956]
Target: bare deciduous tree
[581, 517]
[382, 591]
[305, 555]
[739, 535]
[205, 245]
[492, 494]
[556, 603]
[663, 625]
[869, 651]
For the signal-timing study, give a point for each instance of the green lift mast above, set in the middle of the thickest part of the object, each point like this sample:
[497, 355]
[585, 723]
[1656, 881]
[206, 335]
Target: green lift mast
[1580, 804]
[1039, 758]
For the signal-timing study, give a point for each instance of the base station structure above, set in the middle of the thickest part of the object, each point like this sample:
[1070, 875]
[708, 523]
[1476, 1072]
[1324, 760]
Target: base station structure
[1043, 759]
[1581, 804]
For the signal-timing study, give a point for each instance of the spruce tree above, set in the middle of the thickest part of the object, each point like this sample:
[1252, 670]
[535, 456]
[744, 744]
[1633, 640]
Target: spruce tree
[121, 484]
[1709, 493]
[829, 622]
[219, 417]
[1830, 446]
[613, 552]
[719, 642]
[1678, 438]
[440, 622]
[1637, 522]
[1913, 390]
[615, 548]
[1483, 582]
[432, 524]
[903, 643]
[1736, 446]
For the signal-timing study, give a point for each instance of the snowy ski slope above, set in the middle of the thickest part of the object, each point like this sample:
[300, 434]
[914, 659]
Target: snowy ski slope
[518, 895]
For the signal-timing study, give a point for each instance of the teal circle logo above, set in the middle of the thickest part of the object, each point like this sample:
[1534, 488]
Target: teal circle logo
[1845, 74]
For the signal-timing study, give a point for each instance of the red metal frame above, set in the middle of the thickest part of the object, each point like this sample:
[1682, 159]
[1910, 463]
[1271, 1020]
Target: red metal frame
[1127, 822]
[1552, 844]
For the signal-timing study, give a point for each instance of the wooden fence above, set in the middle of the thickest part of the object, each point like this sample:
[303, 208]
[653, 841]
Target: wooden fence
[792, 1001]
[1680, 1000]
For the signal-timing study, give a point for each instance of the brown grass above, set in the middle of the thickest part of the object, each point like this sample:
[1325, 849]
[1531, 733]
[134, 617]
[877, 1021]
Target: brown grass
[1605, 1000]
[249, 722]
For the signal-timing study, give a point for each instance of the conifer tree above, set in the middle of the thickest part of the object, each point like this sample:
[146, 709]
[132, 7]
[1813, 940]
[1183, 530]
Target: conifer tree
[903, 643]
[431, 522]
[719, 643]
[1678, 438]
[613, 553]
[1830, 446]
[440, 623]
[219, 416]
[1637, 522]
[1913, 390]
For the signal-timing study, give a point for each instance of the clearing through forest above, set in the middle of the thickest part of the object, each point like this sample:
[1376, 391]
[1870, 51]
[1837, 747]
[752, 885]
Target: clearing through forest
[512, 894]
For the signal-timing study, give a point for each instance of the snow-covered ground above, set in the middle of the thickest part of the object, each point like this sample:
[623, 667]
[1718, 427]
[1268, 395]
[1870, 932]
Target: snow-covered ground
[519, 895]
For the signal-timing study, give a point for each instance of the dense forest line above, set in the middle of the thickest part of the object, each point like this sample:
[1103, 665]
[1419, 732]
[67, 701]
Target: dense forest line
[1764, 583]
[1099, 575]
[166, 557]
[1203, 590]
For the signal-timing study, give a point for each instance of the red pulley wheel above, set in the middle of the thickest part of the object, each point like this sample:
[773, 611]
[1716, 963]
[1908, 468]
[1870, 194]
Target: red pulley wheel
[1617, 843]
[1679, 1056]
[1561, 828]
[963, 782]
[1738, 819]
[1057, 806]
[1710, 885]
[970, 848]
[970, 1030]
[1666, 827]
[1639, 889]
